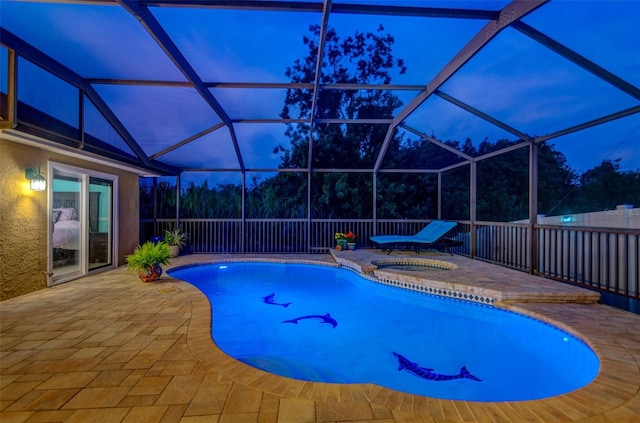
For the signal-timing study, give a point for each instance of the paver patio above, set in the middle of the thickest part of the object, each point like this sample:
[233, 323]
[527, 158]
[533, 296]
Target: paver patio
[110, 348]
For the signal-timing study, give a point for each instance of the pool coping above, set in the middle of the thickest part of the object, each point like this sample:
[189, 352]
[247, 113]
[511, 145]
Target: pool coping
[617, 382]
[456, 282]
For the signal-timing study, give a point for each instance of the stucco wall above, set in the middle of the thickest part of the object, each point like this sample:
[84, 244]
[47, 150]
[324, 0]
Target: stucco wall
[23, 216]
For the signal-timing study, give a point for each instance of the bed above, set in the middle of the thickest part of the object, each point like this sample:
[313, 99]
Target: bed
[66, 239]
[66, 228]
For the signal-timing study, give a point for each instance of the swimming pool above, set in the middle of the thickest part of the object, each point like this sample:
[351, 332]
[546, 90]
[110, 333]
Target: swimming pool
[325, 324]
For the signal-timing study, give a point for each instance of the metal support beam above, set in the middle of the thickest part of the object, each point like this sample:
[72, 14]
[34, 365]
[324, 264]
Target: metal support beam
[374, 177]
[521, 135]
[276, 6]
[187, 141]
[385, 146]
[579, 60]
[243, 229]
[502, 151]
[81, 118]
[472, 209]
[252, 120]
[424, 12]
[511, 13]
[436, 142]
[157, 32]
[380, 87]
[258, 85]
[309, 120]
[178, 200]
[455, 166]
[439, 195]
[396, 170]
[326, 12]
[367, 121]
[302, 6]
[56, 68]
[12, 90]
[533, 207]
[155, 201]
[486, 156]
[618, 115]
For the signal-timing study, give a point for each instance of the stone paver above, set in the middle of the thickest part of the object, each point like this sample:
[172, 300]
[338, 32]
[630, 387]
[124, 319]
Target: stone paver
[110, 348]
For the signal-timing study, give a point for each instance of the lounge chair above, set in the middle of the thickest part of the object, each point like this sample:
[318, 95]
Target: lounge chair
[430, 237]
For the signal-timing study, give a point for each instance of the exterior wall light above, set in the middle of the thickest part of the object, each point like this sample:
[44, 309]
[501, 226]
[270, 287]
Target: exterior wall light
[38, 183]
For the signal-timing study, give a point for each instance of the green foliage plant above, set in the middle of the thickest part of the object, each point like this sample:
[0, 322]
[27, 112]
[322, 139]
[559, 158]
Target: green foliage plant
[148, 255]
[176, 236]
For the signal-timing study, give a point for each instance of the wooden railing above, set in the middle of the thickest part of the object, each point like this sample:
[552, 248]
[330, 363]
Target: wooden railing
[600, 258]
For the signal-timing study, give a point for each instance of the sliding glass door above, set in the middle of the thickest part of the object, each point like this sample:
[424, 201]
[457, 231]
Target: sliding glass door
[82, 220]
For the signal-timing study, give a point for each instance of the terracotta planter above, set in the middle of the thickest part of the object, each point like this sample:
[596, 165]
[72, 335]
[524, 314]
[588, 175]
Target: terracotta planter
[151, 274]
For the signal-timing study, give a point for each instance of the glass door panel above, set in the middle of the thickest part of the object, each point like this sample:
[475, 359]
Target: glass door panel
[67, 225]
[100, 238]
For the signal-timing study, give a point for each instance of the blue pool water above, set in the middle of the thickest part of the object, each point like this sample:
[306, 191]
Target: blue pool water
[513, 356]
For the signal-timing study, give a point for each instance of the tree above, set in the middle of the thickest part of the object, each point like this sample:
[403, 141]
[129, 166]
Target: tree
[556, 179]
[503, 182]
[282, 196]
[221, 201]
[606, 186]
[338, 186]
[364, 58]
[165, 198]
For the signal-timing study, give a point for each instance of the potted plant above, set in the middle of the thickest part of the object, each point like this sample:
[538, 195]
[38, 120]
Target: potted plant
[147, 260]
[175, 239]
[341, 241]
[351, 240]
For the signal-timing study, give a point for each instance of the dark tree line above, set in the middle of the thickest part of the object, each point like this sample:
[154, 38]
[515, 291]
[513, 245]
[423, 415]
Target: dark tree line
[600, 188]
[367, 58]
[502, 192]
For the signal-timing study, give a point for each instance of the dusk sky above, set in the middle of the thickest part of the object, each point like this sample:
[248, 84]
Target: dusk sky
[514, 79]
